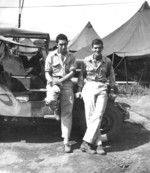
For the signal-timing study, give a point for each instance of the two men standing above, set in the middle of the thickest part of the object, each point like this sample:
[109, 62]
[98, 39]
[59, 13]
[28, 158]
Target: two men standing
[92, 86]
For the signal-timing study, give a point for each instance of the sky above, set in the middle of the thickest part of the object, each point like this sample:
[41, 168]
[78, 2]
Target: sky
[69, 16]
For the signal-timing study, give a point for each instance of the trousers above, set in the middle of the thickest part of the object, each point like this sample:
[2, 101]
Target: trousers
[95, 100]
[66, 103]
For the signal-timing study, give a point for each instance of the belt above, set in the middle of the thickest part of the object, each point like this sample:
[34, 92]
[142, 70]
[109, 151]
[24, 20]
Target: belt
[93, 80]
[56, 77]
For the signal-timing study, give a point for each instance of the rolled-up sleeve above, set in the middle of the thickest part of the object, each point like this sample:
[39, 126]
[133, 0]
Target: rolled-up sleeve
[48, 64]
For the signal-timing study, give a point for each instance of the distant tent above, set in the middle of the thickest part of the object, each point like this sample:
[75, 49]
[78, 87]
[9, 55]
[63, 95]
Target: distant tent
[131, 39]
[82, 53]
[84, 38]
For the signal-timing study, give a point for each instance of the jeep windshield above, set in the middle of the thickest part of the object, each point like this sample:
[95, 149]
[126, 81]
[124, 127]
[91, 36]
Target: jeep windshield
[24, 56]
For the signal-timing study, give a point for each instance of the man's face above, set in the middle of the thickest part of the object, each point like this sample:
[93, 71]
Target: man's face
[62, 46]
[97, 49]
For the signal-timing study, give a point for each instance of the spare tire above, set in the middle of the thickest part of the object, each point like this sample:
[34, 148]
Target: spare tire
[111, 124]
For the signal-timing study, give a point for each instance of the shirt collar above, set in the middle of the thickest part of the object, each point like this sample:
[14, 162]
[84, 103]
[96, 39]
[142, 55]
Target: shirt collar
[92, 59]
[57, 53]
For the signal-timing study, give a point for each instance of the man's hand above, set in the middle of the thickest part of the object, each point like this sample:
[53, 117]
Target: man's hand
[78, 95]
[57, 82]
[112, 94]
[50, 82]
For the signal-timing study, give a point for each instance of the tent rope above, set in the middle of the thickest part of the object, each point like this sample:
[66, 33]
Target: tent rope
[118, 63]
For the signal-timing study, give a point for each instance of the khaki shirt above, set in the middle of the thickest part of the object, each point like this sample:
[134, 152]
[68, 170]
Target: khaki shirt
[58, 65]
[99, 71]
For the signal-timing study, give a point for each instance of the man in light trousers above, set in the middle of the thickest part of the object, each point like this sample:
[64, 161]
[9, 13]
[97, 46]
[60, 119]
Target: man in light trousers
[98, 72]
[60, 67]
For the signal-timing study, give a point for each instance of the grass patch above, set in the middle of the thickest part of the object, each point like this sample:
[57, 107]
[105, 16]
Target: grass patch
[135, 89]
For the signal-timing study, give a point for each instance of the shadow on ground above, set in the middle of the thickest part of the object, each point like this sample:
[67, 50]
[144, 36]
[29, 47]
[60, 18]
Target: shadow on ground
[132, 135]
[35, 133]
[40, 132]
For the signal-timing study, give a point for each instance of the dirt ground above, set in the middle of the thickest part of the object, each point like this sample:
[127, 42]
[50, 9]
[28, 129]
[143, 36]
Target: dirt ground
[38, 148]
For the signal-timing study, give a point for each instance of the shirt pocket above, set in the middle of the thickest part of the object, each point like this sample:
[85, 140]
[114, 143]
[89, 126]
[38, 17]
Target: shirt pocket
[89, 69]
[103, 70]
[56, 66]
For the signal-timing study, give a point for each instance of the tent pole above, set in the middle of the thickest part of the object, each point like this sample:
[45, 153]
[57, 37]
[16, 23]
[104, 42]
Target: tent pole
[21, 3]
[125, 65]
[113, 58]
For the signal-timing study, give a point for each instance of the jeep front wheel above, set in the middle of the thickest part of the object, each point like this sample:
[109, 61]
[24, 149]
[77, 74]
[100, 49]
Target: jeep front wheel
[112, 123]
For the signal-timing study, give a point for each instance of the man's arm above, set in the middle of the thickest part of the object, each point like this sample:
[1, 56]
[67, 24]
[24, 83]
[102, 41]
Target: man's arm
[112, 78]
[48, 70]
[48, 78]
[81, 81]
[68, 76]
[112, 94]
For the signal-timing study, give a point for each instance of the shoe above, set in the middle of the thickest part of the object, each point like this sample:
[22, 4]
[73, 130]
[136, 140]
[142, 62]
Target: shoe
[100, 150]
[86, 147]
[67, 148]
[57, 114]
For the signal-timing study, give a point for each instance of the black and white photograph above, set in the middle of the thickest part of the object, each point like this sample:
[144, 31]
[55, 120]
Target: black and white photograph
[74, 86]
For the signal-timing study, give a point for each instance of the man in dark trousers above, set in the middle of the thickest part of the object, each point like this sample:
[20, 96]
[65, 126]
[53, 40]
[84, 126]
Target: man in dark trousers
[60, 67]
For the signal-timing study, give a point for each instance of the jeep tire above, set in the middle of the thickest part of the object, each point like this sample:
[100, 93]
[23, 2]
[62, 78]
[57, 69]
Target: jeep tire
[111, 124]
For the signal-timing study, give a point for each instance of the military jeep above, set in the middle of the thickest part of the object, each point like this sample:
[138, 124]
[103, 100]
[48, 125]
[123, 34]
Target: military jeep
[22, 87]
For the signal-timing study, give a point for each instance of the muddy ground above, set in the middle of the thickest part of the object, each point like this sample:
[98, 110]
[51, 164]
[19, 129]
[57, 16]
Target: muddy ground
[38, 148]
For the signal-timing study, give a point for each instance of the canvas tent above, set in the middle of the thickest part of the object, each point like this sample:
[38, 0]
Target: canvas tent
[131, 39]
[82, 53]
[83, 39]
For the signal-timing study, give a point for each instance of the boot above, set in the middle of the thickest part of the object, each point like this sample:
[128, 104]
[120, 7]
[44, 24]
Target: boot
[100, 150]
[86, 147]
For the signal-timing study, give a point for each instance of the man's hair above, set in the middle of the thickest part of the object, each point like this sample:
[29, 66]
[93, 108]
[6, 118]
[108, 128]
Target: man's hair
[97, 41]
[61, 37]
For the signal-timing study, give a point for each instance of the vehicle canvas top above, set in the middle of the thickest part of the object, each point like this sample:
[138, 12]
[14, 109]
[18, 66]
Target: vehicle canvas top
[21, 33]
[20, 66]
